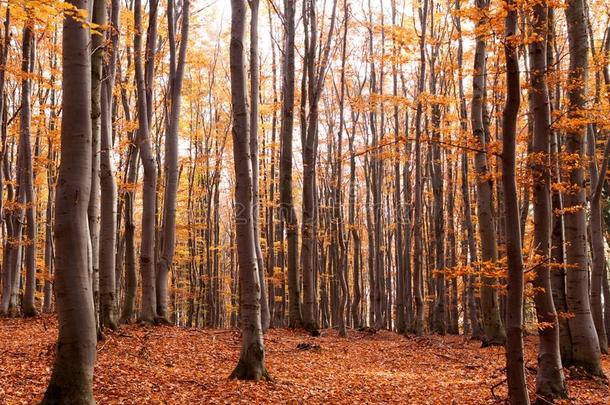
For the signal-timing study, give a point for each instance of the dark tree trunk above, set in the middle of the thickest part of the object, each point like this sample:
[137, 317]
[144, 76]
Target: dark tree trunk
[515, 370]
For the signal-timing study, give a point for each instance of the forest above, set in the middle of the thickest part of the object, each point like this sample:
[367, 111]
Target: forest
[304, 201]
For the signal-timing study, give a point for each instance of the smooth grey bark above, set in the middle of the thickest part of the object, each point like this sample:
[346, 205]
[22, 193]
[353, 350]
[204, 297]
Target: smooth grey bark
[254, 117]
[490, 308]
[287, 210]
[48, 298]
[597, 177]
[418, 322]
[316, 72]
[453, 326]
[108, 187]
[605, 282]
[71, 381]
[470, 306]
[47, 305]
[147, 245]
[6, 275]
[598, 254]
[12, 218]
[131, 176]
[98, 16]
[356, 303]
[558, 276]
[251, 365]
[177, 63]
[439, 309]
[275, 312]
[549, 379]
[585, 344]
[408, 193]
[399, 248]
[11, 260]
[339, 238]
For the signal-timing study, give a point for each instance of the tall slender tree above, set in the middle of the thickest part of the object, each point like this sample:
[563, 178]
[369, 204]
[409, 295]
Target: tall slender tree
[287, 210]
[147, 247]
[515, 368]
[72, 378]
[490, 306]
[176, 76]
[549, 379]
[26, 174]
[585, 344]
[251, 365]
[254, 117]
[108, 212]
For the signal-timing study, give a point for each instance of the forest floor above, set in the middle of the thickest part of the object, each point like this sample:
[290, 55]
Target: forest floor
[170, 365]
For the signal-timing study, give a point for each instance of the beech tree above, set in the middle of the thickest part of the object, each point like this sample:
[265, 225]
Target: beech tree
[72, 377]
[550, 379]
[147, 269]
[176, 76]
[316, 72]
[585, 344]
[108, 188]
[490, 308]
[26, 176]
[251, 365]
[286, 199]
[515, 367]
[254, 117]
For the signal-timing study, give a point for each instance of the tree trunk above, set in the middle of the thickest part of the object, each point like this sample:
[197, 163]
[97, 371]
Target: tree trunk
[6, 275]
[251, 365]
[108, 199]
[98, 17]
[71, 381]
[585, 344]
[351, 220]
[286, 200]
[549, 379]
[147, 246]
[558, 276]
[492, 323]
[598, 255]
[47, 306]
[26, 177]
[471, 254]
[176, 75]
[341, 261]
[254, 117]
[515, 370]
[418, 281]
